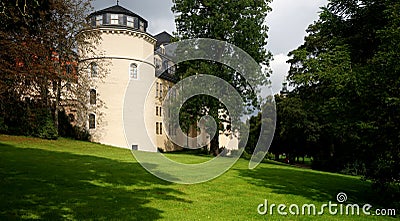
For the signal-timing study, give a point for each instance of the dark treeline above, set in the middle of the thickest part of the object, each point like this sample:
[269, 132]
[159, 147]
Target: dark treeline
[344, 108]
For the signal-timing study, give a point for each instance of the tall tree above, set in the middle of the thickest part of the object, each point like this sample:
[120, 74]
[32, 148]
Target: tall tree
[346, 75]
[41, 41]
[241, 23]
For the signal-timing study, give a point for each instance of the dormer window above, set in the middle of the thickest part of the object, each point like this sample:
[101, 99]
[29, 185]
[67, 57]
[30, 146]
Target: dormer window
[130, 22]
[117, 15]
[114, 19]
[99, 20]
[141, 26]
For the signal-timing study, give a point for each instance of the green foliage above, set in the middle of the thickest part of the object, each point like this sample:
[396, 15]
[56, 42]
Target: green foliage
[67, 129]
[45, 125]
[241, 23]
[346, 98]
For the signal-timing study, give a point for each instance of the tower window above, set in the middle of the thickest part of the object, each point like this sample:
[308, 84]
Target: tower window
[158, 128]
[99, 20]
[93, 69]
[141, 26]
[156, 89]
[133, 73]
[93, 96]
[92, 121]
[130, 22]
[114, 19]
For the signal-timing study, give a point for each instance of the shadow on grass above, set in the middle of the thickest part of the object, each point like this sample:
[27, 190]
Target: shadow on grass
[312, 185]
[41, 184]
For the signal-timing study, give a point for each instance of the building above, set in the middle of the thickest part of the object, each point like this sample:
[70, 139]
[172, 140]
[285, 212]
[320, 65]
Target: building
[134, 56]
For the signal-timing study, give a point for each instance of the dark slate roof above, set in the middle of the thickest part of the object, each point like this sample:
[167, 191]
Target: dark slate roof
[163, 38]
[167, 75]
[117, 9]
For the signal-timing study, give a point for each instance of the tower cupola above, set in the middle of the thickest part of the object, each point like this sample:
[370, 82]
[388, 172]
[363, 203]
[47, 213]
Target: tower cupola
[118, 16]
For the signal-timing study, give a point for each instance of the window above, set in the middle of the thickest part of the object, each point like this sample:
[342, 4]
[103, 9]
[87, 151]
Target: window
[99, 20]
[93, 21]
[158, 111]
[165, 65]
[92, 121]
[93, 69]
[141, 26]
[130, 22]
[160, 90]
[158, 128]
[114, 19]
[157, 89]
[93, 96]
[157, 62]
[133, 71]
[172, 69]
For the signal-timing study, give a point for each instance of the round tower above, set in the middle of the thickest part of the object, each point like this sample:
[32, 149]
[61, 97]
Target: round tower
[129, 53]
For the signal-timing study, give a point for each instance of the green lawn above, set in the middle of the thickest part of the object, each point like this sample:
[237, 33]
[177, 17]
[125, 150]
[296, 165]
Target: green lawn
[72, 180]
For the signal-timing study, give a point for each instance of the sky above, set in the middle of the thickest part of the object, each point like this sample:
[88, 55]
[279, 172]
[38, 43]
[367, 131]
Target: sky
[287, 24]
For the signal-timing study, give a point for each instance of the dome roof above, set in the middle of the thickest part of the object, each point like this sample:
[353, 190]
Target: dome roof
[117, 9]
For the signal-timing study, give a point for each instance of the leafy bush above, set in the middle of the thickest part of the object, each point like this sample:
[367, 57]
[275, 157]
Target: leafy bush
[270, 156]
[45, 127]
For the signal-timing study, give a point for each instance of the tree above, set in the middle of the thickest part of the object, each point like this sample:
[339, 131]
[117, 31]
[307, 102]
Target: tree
[41, 41]
[346, 75]
[241, 23]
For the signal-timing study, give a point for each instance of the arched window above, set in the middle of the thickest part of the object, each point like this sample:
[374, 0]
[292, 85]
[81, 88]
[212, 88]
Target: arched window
[92, 121]
[133, 72]
[93, 96]
[93, 69]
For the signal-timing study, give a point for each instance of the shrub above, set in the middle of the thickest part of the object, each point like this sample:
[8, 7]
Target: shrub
[45, 127]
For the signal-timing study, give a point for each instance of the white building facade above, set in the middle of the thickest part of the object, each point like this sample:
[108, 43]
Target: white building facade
[132, 63]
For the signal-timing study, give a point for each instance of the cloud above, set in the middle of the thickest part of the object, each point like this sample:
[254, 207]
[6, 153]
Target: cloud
[279, 72]
[288, 21]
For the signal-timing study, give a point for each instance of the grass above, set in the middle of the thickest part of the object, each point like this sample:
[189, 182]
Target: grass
[72, 180]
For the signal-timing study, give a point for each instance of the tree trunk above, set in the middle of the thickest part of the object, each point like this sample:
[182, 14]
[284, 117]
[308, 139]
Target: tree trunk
[57, 104]
[214, 145]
